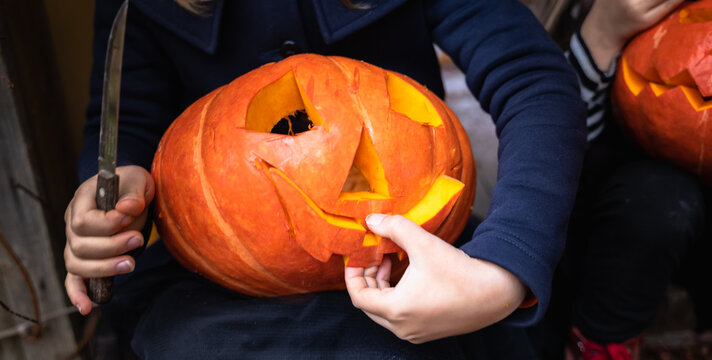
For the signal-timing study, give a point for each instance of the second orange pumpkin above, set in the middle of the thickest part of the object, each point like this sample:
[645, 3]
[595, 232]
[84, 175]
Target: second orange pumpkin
[663, 89]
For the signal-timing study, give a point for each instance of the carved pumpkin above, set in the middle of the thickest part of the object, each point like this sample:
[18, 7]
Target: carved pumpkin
[268, 213]
[663, 87]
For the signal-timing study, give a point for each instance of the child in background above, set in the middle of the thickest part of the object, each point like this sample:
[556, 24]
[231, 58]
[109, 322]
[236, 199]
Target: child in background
[635, 219]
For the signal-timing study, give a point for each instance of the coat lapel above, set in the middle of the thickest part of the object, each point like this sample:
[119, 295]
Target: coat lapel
[200, 31]
[337, 21]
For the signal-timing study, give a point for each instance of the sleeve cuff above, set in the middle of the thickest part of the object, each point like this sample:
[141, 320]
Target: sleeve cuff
[583, 55]
[531, 270]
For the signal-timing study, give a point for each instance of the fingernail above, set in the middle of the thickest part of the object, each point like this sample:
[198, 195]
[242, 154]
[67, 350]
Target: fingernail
[79, 308]
[134, 242]
[374, 219]
[125, 266]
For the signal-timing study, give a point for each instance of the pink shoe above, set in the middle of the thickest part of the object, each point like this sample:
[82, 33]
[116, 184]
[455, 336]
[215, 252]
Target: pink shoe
[581, 348]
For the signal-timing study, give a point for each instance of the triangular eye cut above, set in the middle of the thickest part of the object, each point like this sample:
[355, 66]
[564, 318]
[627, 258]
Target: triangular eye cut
[282, 108]
[407, 100]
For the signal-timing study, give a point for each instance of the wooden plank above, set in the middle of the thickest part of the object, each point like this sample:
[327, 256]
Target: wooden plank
[23, 226]
[28, 202]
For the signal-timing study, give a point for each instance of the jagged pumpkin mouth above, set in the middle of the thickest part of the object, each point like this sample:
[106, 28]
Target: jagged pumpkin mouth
[443, 190]
[684, 81]
[636, 82]
[299, 207]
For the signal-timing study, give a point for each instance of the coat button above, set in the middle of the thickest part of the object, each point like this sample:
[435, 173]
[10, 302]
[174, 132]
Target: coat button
[289, 48]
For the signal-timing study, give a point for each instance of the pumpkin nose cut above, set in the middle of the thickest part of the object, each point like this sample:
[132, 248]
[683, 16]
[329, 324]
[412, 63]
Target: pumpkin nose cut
[355, 181]
[367, 177]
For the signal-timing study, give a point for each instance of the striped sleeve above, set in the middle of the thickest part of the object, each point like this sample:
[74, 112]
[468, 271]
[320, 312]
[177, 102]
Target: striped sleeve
[593, 82]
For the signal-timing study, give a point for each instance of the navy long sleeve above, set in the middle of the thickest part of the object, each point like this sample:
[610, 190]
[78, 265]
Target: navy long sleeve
[522, 80]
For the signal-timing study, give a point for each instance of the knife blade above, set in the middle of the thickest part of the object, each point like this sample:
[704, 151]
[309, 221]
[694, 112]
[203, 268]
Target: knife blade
[107, 188]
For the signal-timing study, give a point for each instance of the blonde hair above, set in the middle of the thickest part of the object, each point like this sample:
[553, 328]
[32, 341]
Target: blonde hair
[202, 7]
[199, 7]
[356, 6]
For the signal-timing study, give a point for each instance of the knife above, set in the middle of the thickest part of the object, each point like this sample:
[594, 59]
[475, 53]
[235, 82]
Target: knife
[107, 187]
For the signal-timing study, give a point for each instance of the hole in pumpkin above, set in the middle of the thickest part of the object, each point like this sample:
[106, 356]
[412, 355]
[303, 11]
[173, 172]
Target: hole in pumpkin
[409, 101]
[293, 124]
[636, 83]
[695, 16]
[696, 100]
[356, 181]
[367, 178]
[282, 107]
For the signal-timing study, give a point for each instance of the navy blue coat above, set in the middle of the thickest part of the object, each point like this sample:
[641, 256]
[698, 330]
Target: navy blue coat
[173, 57]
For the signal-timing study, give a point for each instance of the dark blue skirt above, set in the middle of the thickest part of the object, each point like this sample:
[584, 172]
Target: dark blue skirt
[163, 311]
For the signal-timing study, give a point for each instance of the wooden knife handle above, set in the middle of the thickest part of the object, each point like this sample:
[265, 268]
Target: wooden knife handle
[107, 195]
[107, 190]
[101, 289]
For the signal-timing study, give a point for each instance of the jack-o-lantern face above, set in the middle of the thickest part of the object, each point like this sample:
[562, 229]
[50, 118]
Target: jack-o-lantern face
[663, 89]
[263, 185]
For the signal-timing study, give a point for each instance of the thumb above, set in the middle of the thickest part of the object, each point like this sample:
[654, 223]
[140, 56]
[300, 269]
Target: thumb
[136, 190]
[402, 231]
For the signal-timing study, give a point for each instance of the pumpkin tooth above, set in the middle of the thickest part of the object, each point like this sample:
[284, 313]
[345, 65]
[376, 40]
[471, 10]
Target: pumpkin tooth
[371, 239]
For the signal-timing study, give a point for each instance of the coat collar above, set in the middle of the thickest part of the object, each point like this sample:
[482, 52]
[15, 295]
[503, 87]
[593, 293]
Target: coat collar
[336, 21]
[200, 31]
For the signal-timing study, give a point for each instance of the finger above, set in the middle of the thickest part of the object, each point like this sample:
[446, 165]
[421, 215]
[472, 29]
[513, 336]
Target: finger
[84, 219]
[353, 276]
[662, 8]
[137, 223]
[77, 292]
[405, 233]
[104, 246]
[96, 268]
[368, 299]
[383, 277]
[136, 189]
[369, 275]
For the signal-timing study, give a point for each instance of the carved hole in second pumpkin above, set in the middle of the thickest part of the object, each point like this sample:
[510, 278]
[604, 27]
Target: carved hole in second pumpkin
[636, 83]
[695, 16]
